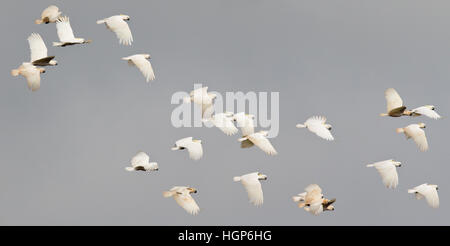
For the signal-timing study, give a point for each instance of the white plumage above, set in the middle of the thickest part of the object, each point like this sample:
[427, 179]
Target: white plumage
[65, 33]
[182, 195]
[203, 98]
[224, 121]
[49, 15]
[415, 132]
[253, 186]
[38, 51]
[429, 192]
[259, 139]
[118, 25]
[245, 122]
[143, 64]
[388, 172]
[193, 146]
[312, 200]
[31, 73]
[141, 162]
[428, 110]
[317, 125]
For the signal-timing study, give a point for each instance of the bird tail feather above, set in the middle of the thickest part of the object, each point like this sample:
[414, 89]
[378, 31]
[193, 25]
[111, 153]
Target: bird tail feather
[38, 21]
[101, 21]
[300, 126]
[57, 44]
[370, 165]
[129, 169]
[15, 72]
[167, 193]
[400, 130]
[411, 191]
[384, 114]
[237, 179]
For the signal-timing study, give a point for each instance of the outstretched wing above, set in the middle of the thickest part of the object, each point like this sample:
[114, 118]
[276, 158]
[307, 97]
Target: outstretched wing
[37, 47]
[419, 137]
[263, 143]
[427, 112]
[64, 30]
[254, 191]
[430, 194]
[188, 203]
[316, 124]
[393, 99]
[388, 173]
[195, 150]
[121, 29]
[144, 66]
[140, 159]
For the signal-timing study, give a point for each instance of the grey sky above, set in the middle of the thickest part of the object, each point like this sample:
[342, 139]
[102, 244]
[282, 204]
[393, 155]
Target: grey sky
[64, 148]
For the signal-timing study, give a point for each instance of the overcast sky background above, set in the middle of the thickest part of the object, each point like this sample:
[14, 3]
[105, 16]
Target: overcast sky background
[64, 147]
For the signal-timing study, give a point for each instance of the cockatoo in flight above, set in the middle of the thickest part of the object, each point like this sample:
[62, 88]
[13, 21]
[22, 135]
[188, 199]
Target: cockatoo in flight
[415, 132]
[38, 51]
[31, 73]
[317, 125]
[141, 61]
[205, 99]
[65, 33]
[182, 195]
[427, 110]
[395, 107]
[253, 186]
[312, 200]
[245, 122]
[388, 172]
[259, 139]
[118, 25]
[429, 192]
[141, 162]
[193, 146]
[223, 121]
[49, 15]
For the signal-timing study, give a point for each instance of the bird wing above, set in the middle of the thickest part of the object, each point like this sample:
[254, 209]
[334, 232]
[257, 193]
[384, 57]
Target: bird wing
[37, 47]
[427, 112]
[393, 99]
[187, 202]
[51, 10]
[388, 173]
[121, 29]
[430, 194]
[225, 124]
[313, 187]
[33, 76]
[316, 208]
[195, 150]
[64, 29]
[316, 124]
[254, 191]
[140, 159]
[207, 110]
[263, 143]
[144, 66]
[418, 135]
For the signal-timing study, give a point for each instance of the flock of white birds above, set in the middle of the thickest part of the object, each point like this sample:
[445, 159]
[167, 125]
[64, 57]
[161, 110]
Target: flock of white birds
[312, 200]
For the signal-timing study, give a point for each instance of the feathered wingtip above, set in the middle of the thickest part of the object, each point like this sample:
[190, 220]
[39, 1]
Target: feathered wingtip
[15, 72]
[237, 179]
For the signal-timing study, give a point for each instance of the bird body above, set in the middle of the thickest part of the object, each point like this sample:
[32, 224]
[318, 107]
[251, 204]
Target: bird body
[252, 185]
[31, 73]
[316, 124]
[202, 97]
[65, 33]
[415, 132]
[143, 64]
[38, 51]
[141, 162]
[429, 192]
[182, 196]
[245, 122]
[259, 139]
[118, 25]
[49, 15]
[427, 110]
[193, 146]
[223, 121]
[388, 172]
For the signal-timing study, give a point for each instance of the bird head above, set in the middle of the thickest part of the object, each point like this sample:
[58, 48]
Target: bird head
[41, 70]
[431, 107]
[147, 56]
[125, 17]
[422, 125]
[397, 163]
[197, 141]
[154, 166]
[328, 126]
[261, 176]
[192, 190]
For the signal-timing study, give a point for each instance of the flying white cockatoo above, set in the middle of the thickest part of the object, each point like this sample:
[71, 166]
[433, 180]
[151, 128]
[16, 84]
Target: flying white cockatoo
[193, 146]
[245, 122]
[427, 110]
[141, 162]
[65, 33]
[415, 132]
[312, 200]
[118, 25]
[317, 125]
[253, 186]
[388, 172]
[182, 195]
[259, 139]
[429, 192]
[141, 61]
[205, 99]
[49, 15]
[395, 107]
[38, 51]
[31, 73]
[223, 121]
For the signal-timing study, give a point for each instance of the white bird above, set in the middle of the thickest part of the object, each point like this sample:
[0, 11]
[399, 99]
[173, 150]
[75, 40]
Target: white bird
[395, 107]
[65, 33]
[31, 73]
[141, 162]
[223, 121]
[49, 15]
[38, 51]
[259, 139]
[427, 110]
[205, 99]
[388, 172]
[182, 196]
[118, 25]
[415, 132]
[312, 200]
[143, 64]
[193, 146]
[317, 125]
[245, 122]
[253, 186]
[429, 192]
